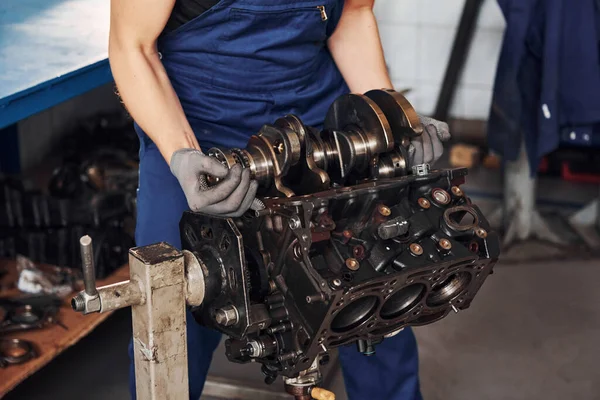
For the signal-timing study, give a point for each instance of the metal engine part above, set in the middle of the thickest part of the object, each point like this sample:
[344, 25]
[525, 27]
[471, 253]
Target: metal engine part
[351, 247]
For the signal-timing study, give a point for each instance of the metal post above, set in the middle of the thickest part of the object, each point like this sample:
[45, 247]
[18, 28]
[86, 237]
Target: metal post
[159, 330]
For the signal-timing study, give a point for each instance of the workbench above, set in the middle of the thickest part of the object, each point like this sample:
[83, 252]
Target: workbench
[53, 339]
[50, 51]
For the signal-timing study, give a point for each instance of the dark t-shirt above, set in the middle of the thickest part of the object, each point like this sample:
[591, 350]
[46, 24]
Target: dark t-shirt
[185, 11]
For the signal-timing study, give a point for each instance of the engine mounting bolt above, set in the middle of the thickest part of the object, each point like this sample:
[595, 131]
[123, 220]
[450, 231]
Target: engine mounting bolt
[457, 191]
[294, 223]
[352, 264]
[315, 298]
[445, 244]
[416, 249]
[440, 196]
[482, 233]
[384, 210]
[424, 203]
[227, 316]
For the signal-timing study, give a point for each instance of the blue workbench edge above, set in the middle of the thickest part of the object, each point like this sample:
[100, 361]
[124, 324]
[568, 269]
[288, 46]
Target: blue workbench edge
[44, 95]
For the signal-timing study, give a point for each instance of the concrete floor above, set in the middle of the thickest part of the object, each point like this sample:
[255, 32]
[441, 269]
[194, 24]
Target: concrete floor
[532, 333]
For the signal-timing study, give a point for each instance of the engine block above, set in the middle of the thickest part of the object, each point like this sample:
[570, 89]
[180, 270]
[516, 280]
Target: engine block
[350, 244]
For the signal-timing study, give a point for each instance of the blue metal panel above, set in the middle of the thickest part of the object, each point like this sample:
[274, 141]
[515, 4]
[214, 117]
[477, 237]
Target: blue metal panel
[50, 51]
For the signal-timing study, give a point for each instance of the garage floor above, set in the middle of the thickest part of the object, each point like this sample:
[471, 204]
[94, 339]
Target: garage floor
[532, 333]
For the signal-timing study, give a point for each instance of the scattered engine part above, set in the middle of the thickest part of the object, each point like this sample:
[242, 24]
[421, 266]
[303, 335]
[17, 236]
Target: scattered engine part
[16, 351]
[29, 313]
[51, 280]
[353, 244]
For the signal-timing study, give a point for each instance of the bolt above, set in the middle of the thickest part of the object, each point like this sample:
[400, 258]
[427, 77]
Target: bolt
[347, 234]
[457, 191]
[227, 316]
[352, 264]
[445, 244]
[441, 196]
[315, 298]
[294, 223]
[424, 203]
[336, 282]
[384, 210]
[416, 249]
[482, 233]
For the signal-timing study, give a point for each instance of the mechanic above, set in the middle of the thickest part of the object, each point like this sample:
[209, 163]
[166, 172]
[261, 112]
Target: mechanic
[196, 74]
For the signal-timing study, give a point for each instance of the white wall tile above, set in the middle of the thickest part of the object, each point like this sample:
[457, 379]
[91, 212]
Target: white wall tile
[397, 11]
[418, 35]
[491, 16]
[435, 45]
[400, 44]
[477, 102]
[480, 68]
[458, 107]
[440, 12]
[423, 97]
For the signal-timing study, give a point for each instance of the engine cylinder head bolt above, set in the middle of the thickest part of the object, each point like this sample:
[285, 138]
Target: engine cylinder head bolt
[457, 191]
[440, 196]
[424, 203]
[352, 264]
[420, 169]
[384, 210]
[445, 244]
[482, 233]
[227, 316]
[416, 249]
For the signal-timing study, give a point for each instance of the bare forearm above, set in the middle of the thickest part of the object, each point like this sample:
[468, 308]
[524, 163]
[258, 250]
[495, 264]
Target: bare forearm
[356, 48]
[150, 99]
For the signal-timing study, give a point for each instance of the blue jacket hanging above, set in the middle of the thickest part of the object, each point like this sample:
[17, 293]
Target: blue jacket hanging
[548, 78]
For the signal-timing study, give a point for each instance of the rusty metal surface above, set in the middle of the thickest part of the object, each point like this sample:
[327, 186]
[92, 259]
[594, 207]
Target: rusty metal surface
[155, 253]
[159, 330]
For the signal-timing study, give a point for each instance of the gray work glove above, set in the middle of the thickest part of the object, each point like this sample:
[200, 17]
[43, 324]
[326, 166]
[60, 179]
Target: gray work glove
[428, 148]
[230, 197]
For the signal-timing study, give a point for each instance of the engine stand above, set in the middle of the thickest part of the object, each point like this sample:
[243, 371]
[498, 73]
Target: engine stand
[163, 280]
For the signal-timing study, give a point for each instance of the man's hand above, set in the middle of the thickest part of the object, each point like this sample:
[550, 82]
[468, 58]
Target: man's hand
[428, 148]
[231, 197]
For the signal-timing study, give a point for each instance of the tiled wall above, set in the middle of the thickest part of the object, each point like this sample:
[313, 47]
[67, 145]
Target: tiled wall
[417, 37]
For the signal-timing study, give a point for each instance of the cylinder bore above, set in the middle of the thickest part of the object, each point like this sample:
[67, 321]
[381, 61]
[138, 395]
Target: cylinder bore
[402, 301]
[449, 289]
[354, 314]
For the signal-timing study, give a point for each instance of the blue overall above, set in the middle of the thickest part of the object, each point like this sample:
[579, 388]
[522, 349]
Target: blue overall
[238, 66]
[547, 88]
